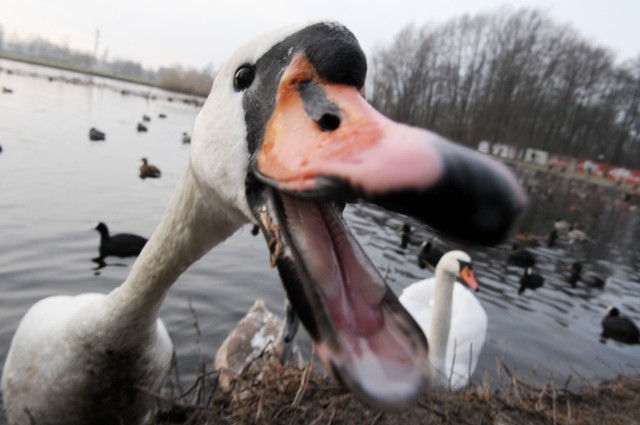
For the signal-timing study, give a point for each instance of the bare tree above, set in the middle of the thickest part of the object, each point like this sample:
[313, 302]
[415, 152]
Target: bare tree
[512, 77]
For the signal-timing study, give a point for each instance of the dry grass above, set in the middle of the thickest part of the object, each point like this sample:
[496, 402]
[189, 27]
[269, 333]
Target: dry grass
[267, 393]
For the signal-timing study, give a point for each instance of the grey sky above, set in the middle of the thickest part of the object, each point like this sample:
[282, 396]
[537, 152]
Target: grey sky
[197, 32]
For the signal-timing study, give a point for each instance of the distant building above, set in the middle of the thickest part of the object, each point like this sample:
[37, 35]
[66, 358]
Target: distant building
[503, 151]
[591, 168]
[536, 156]
[624, 175]
[484, 146]
[561, 163]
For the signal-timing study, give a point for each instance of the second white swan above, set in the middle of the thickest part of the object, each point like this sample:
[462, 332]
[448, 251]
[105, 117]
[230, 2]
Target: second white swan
[452, 318]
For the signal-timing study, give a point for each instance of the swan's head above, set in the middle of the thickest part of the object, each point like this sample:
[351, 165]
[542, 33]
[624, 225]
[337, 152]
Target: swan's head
[287, 137]
[458, 265]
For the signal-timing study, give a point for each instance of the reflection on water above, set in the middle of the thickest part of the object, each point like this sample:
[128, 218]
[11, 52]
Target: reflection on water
[55, 185]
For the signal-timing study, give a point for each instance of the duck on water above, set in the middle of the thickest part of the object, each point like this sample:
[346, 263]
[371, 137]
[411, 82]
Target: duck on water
[84, 359]
[148, 170]
[619, 327]
[96, 135]
[121, 245]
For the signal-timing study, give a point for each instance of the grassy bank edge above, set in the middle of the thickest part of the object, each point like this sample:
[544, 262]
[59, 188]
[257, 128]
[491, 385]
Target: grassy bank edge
[79, 69]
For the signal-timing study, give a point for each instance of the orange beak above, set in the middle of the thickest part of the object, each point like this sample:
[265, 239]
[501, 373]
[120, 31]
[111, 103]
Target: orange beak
[469, 279]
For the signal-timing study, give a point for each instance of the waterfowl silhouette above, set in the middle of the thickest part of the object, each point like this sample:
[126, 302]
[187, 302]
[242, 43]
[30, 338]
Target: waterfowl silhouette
[588, 278]
[429, 255]
[405, 235]
[530, 280]
[552, 237]
[526, 239]
[520, 257]
[141, 128]
[121, 245]
[620, 328]
[149, 171]
[96, 135]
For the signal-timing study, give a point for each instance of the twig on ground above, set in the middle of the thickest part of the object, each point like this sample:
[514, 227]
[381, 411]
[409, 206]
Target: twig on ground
[304, 381]
[201, 365]
[376, 418]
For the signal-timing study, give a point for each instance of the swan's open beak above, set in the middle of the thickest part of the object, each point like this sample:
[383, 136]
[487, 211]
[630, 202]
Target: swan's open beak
[323, 145]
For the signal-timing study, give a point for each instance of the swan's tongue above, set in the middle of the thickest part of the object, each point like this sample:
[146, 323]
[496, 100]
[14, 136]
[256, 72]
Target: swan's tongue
[361, 332]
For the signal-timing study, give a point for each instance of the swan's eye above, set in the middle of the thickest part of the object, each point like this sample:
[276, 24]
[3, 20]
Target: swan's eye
[244, 77]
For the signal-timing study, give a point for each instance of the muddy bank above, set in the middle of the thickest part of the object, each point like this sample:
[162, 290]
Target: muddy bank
[275, 395]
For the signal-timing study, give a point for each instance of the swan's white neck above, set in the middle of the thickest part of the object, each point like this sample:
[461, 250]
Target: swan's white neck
[195, 220]
[440, 326]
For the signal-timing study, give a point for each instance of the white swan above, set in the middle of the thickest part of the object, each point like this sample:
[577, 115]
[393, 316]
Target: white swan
[284, 139]
[452, 318]
[259, 332]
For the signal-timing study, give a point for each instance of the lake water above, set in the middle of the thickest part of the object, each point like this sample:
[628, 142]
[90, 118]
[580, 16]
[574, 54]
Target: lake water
[56, 185]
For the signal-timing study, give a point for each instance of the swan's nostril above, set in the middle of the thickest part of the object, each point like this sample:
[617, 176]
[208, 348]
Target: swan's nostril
[329, 122]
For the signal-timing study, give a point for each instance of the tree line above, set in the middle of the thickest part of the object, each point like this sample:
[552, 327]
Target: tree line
[174, 78]
[512, 77]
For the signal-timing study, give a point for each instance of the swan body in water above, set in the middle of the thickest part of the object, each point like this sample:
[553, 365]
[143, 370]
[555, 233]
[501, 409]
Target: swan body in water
[452, 318]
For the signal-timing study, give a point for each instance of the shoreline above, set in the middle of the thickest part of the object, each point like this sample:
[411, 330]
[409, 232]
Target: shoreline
[78, 69]
[145, 90]
[102, 74]
[267, 393]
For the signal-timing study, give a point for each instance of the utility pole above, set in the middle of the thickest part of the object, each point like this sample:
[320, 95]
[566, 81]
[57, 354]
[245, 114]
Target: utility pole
[95, 48]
